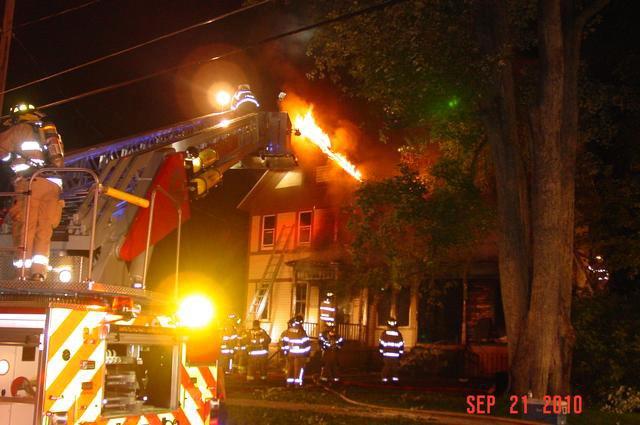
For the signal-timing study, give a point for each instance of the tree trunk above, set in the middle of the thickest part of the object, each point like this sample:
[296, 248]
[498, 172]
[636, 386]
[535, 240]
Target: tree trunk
[500, 120]
[536, 220]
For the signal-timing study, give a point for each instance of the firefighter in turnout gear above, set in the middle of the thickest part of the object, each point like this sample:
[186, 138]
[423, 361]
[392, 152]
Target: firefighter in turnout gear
[328, 309]
[257, 351]
[330, 343]
[241, 347]
[391, 347]
[229, 342]
[28, 144]
[295, 346]
[244, 101]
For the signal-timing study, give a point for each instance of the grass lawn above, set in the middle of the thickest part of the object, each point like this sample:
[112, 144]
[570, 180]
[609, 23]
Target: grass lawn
[391, 397]
[253, 416]
[457, 403]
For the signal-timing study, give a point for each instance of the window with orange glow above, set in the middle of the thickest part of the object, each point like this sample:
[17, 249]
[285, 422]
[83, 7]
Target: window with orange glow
[304, 227]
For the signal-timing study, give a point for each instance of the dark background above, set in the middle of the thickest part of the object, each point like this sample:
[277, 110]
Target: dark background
[215, 239]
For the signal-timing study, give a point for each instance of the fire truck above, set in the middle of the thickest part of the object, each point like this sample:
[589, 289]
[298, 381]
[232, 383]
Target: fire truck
[92, 344]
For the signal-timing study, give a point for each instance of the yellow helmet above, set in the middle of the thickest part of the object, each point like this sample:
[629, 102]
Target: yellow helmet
[25, 112]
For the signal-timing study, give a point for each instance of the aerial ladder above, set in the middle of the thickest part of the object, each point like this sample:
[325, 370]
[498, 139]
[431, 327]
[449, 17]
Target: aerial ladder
[97, 347]
[158, 160]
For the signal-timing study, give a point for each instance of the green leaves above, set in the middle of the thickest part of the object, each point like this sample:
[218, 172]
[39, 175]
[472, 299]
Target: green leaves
[405, 227]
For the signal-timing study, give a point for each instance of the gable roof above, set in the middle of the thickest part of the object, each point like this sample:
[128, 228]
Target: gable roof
[280, 191]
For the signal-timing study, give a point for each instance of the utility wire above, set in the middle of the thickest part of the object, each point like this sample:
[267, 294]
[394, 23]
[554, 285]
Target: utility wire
[56, 14]
[57, 86]
[137, 46]
[266, 40]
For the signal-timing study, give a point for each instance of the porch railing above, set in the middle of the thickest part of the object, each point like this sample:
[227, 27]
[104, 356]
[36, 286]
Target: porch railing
[349, 331]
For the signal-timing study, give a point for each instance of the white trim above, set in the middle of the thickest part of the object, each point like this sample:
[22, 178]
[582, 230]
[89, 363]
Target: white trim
[56, 181]
[40, 259]
[20, 167]
[29, 321]
[262, 231]
[31, 145]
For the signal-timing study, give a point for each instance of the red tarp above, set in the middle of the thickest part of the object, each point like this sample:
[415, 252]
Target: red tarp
[173, 178]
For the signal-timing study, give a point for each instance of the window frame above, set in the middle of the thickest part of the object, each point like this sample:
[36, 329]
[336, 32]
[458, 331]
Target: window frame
[265, 316]
[263, 231]
[304, 301]
[301, 227]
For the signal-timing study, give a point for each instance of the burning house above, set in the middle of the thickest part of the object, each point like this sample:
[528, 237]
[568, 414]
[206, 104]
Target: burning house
[297, 249]
[298, 254]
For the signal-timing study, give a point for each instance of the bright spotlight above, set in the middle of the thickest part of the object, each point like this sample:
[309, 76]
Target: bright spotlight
[224, 123]
[195, 311]
[64, 276]
[223, 98]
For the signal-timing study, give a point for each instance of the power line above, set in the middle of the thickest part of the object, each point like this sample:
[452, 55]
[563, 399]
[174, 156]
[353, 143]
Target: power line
[266, 40]
[137, 46]
[56, 14]
[57, 86]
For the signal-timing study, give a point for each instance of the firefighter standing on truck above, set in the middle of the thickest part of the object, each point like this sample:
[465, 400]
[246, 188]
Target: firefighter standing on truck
[330, 343]
[229, 342]
[257, 351]
[295, 346]
[391, 347]
[28, 144]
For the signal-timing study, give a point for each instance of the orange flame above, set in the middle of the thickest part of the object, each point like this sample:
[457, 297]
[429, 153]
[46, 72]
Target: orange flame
[312, 132]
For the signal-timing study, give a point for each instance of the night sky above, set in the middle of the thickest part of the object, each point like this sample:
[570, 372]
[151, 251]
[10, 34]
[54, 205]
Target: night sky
[214, 252]
[106, 26]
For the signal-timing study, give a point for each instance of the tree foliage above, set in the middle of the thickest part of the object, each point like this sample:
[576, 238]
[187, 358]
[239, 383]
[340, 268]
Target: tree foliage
[608, 346]
[507, 72]
[608, 184]
[408, 227]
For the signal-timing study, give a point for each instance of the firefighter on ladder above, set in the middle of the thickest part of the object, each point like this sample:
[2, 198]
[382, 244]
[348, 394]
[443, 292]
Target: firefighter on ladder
[295, 346]
[229, 342]
[244, 101]
[258, 351]
[330, 344]
[28, 144]
[391, 347]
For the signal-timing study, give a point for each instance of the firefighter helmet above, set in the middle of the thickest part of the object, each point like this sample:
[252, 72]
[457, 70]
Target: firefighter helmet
[256, 324]
[392, 322]
[299, 319]
[24, 112]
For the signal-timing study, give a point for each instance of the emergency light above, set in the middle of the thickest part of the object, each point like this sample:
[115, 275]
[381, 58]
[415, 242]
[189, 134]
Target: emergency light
[195, 311]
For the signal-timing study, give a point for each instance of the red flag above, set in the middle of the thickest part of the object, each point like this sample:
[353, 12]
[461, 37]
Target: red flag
[172, 177]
